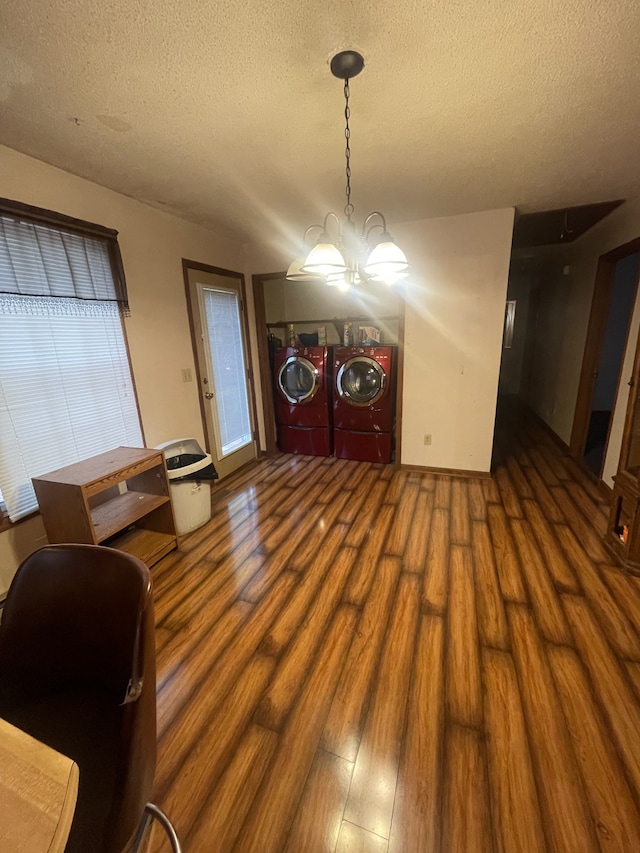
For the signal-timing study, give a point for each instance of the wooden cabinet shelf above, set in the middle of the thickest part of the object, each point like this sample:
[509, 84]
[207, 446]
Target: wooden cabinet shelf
[120, 498]
[623, 530]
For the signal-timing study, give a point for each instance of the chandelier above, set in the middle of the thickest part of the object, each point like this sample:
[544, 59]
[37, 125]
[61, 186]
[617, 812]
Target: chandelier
[341, 257]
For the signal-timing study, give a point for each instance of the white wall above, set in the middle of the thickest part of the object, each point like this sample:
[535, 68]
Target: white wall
[153, 244]
[453, 336]
[562, 329]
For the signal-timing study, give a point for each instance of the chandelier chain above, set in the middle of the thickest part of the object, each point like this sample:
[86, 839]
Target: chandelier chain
[348, 208]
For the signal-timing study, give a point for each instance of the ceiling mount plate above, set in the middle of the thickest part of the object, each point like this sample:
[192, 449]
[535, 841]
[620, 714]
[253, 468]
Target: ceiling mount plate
[347, 64]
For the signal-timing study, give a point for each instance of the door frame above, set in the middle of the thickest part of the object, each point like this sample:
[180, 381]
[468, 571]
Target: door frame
[602, 292]
[266, 384]
[196, 265]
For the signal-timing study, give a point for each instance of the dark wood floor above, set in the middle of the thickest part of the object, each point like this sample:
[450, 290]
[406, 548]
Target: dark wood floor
[354, 658]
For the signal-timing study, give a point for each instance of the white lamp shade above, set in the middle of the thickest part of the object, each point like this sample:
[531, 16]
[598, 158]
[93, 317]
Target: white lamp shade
[324, 259]
[390, 278]
[386, 260]
[294, 273]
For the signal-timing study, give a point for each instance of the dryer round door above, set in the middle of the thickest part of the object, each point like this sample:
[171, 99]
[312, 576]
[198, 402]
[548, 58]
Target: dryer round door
[298, 380]
[361, 381]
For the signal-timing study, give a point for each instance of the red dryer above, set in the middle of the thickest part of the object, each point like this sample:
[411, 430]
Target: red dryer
[364, 402]
[303, 400]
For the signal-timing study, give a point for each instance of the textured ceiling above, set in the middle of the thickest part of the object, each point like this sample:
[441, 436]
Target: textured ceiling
[226, 113]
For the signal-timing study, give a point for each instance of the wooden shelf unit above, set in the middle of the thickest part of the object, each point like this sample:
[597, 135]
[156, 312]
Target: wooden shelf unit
[623, 530]
[120, 498]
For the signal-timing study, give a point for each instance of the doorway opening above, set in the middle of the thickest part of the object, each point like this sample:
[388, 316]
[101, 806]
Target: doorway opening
[216, 305]
[601, 383]
[623, 296]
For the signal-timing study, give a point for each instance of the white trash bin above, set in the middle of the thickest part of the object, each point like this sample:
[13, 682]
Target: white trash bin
[190, 471]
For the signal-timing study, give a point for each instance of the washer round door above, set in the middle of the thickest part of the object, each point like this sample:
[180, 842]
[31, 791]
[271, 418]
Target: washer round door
[298, 380]
[361, 381]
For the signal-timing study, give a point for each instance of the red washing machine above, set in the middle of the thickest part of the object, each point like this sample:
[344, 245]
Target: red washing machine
[303, 400]
[364, 402]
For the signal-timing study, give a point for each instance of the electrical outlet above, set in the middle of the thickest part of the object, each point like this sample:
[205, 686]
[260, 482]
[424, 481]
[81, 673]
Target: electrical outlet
[187, 375]
[427, 438]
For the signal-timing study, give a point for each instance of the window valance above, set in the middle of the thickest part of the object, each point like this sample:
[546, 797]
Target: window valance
[43, 253]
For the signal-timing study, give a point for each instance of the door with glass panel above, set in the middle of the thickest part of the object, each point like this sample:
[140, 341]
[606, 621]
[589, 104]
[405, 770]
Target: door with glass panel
[223, 367]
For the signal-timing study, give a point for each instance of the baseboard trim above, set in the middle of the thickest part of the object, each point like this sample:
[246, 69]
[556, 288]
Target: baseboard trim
[448, 472]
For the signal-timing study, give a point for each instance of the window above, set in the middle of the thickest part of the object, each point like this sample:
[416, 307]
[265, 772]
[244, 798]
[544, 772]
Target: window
[66, 391]
[225, 343]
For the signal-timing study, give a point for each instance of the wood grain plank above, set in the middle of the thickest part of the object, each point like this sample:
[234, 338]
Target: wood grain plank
[547, 537]
[517, 823]
[542, 466]
[544, 598]
[319, 816]
[507, 564]
[436, 579]
[491, 490]
[492, 620]
[463, 691]
[372, 793]
[610, 684]
[625, 591]
[366, 562]
[442, 493]
[225, 809]
[294, 525]
[477, 500]
[566, 815]
[403, 521]
[275, 804]
[621, 635]
[185, 730]
[591, 541]
[518, 478]
[215, 745]
[305, 552]
[545, 499]
[615, 818]
[344, 723]
[186, 663]
[397, 485]
[292, 670]
[508, 494]
[331, 489]
[633, 671]
[416, 815]
[466, 810]
[589, 508]
[306, 586]
[416, 551]
[355, 839]
[368, 516]
[460, 526]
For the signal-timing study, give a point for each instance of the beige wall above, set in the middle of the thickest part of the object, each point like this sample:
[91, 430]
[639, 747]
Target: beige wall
[562, 327]
[153, 244]
[453, 336]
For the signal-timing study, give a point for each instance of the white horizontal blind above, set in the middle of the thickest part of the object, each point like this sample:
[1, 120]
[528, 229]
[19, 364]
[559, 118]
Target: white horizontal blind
[66, 391]
[227, 354]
